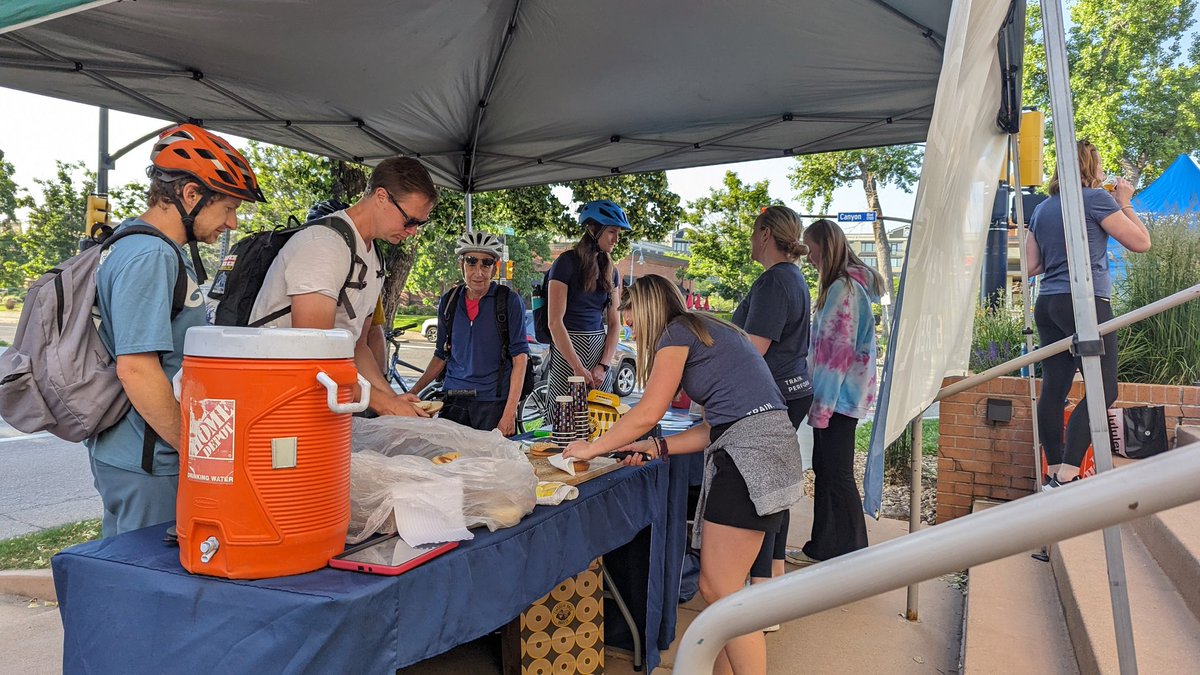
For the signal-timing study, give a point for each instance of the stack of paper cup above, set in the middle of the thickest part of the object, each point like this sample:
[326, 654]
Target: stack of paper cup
[564, 421]
[578, 388]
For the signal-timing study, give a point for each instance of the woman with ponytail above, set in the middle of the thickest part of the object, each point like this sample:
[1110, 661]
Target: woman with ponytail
[775, 315]
[842, 364]
[581, 300]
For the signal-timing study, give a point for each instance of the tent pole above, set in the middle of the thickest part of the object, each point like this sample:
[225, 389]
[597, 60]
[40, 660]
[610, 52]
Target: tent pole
[468, 210]
[1087, 337]
[102, 162]
[914, 503]
[1026, 299]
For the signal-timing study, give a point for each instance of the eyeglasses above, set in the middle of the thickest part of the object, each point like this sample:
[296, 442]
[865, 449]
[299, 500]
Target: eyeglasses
[409, 222]
[472, 261]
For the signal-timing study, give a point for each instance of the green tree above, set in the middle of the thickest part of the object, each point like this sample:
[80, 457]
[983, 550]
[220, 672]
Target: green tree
[56, 219]
[1136, 88]
[817, 176]
[127, 201]
[721, 227]
[292, 181]
[12, 256]
[653, 210]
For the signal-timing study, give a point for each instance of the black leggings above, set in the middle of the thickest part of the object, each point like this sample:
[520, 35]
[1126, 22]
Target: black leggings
[774, 546]
[838, 523]
[1056, 320]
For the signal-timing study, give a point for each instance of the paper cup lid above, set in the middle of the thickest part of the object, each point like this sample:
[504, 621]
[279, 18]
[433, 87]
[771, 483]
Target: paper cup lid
[575, 378]
[563, 399]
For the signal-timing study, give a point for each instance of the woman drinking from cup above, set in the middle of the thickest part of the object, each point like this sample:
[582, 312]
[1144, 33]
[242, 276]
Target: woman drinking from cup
[752, 469]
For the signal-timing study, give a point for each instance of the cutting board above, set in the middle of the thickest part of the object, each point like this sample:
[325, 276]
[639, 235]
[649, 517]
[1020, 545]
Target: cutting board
[598, 467]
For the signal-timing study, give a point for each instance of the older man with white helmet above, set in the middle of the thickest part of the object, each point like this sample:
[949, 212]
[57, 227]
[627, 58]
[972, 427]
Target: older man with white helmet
[481, 342]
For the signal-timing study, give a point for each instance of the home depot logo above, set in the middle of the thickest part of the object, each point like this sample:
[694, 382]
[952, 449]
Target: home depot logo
[210, 440]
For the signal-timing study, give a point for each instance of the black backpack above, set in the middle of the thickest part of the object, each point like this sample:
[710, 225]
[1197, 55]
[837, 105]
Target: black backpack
[501, 304]
[243, 271]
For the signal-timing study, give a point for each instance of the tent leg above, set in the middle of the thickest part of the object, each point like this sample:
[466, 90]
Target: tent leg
[1088, 343]
[468, 209]
[914, 503]
[1027, 311]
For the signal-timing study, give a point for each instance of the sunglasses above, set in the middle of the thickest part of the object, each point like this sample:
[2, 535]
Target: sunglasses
[409, 222]
[472, 261]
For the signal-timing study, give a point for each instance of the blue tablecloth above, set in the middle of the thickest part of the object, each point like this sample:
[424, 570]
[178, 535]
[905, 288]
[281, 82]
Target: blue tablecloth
[128, 606]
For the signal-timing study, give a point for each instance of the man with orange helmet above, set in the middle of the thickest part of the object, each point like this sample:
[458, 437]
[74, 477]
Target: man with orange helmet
[306, 287]
[197, 182]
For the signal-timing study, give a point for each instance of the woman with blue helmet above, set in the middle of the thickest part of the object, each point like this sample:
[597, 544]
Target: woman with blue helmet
[582, 295]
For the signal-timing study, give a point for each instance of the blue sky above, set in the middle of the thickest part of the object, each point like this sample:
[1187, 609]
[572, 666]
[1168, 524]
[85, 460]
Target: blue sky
[37, 130]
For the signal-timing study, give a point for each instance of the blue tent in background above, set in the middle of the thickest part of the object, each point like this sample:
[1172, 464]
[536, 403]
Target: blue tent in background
[1176, 192]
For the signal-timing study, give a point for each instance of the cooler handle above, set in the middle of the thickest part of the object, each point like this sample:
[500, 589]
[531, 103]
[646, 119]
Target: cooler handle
[331, 388]
[177, 384]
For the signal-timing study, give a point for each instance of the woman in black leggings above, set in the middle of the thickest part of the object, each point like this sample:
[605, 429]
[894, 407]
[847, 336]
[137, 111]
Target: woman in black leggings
[1105, 215]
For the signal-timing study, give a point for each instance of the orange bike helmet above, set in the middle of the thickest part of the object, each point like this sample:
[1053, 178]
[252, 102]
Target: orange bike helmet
[210, 159]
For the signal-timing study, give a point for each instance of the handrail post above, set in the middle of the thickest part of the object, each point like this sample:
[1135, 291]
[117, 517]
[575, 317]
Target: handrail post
[1089, 343]
[914, 504]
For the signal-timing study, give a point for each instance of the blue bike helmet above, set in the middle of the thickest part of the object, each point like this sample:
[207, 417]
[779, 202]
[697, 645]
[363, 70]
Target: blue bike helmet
[604, 212]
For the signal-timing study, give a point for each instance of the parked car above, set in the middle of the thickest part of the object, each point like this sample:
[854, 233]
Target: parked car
[624, 365]
[429, 329]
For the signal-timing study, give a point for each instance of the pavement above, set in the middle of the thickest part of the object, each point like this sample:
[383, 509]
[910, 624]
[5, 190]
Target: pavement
[866, 636]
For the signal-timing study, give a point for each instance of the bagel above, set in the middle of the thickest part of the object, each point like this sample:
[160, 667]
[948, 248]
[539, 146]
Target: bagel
[446, 458]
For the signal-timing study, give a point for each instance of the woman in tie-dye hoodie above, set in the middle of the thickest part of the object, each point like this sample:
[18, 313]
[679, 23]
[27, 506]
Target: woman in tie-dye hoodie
[842, 367]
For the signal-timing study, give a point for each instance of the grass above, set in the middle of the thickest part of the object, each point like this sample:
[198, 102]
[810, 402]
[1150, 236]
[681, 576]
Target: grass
[410, 319]
[929, 437]
[33, 551]
[3, 343]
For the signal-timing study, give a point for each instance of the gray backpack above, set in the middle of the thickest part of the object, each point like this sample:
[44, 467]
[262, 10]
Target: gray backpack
[58, 376]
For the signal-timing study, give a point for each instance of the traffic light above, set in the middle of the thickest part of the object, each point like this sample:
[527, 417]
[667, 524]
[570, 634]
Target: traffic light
[508, 269]
[97, 215]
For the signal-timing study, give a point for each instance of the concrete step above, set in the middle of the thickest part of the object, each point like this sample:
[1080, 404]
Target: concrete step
[1011, 603]
[1186, 434]
[1173, 537]
[1014, 620]
[1166, 633]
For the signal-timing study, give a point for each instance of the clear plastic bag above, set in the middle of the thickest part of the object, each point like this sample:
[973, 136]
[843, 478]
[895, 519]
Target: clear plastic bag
[429, 437]
[391, 464]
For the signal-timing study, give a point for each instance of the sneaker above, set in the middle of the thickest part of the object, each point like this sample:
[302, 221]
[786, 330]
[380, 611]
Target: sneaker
[771, 629]
[798, 557]
[1049, 483]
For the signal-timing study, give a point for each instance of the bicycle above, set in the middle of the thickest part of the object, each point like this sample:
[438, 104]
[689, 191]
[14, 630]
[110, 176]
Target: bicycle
[395, 364]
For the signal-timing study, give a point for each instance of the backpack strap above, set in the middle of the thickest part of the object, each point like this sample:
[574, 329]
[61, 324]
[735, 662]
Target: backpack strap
[178, 299]
[449, 310]
[342, 228]
[501, 302]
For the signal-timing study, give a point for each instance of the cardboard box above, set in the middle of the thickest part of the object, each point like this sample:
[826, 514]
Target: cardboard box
[563, 632]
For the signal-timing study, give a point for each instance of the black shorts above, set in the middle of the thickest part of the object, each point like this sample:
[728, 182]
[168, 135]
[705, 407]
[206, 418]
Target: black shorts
[728, 501]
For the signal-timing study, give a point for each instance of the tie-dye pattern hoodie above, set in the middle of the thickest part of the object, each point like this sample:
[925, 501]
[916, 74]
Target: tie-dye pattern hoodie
[842, 358]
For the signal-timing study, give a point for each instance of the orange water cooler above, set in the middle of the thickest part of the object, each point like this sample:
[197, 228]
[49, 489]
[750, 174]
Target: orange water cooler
[264, 482]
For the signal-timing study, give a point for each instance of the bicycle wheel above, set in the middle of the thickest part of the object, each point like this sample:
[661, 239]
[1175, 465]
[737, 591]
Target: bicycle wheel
[533, 409]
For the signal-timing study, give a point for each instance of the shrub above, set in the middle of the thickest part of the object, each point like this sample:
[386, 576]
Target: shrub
[997, 336]
[11, 302]
[1162, 349]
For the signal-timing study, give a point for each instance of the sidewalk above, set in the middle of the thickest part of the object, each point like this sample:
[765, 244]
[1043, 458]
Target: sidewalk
[867, 636]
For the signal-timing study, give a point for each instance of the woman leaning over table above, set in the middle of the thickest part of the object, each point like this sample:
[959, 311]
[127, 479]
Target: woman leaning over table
[842, 365]
[1104, 216]
[752, 469]
[581, 300]
[775, 316]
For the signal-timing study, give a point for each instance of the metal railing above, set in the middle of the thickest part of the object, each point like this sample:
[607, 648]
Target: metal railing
[1152, 485]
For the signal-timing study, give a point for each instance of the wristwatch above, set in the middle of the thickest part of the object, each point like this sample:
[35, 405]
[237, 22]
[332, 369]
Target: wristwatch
[605, 366]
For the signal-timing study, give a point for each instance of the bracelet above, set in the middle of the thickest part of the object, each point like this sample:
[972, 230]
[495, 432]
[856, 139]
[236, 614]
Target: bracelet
[1130, 207]
[661, 444]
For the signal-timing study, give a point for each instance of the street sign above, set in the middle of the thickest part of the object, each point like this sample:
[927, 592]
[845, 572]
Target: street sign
[508, 231]
[856, 216]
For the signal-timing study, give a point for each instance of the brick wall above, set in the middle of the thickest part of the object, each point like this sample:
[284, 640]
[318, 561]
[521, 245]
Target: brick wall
[995, 461]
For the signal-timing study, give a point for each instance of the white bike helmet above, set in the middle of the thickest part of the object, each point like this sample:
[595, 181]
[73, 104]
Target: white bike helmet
[479, 242]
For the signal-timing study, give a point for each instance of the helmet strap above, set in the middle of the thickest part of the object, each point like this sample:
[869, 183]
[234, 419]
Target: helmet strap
[189, 229]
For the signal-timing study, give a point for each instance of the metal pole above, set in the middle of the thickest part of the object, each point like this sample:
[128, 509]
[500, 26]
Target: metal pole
[1088, 343]
[468, 209]
[914, 504]
[102, 161]
[1026, 299]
